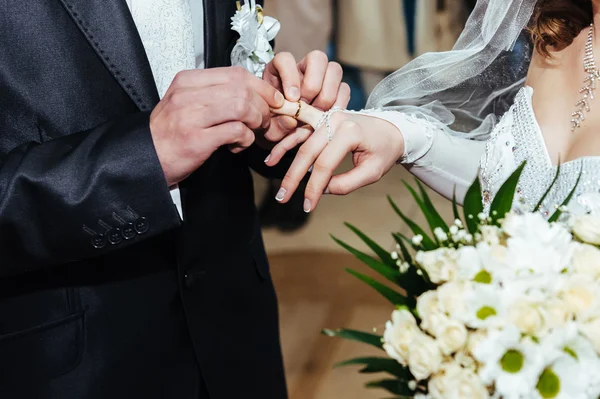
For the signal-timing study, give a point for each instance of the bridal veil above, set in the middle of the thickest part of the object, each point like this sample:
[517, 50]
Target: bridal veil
[466, 89]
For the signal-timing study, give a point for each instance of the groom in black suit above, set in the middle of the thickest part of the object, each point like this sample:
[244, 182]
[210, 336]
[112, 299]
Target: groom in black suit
[105, 292]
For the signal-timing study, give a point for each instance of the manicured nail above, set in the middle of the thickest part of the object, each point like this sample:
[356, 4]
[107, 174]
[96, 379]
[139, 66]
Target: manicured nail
[294, 93]
[279, 98]
[327, 191]
[267, 158]
[307, 205]
[281, 194]
[311, 168]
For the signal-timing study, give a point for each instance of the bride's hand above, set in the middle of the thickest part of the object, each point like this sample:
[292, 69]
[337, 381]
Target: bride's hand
[376, 145]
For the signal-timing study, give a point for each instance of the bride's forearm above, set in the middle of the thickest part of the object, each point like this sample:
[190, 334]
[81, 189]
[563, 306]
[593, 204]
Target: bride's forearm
[441, 161]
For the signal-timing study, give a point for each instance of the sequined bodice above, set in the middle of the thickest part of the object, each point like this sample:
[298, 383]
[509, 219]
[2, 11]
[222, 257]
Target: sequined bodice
[518, 138]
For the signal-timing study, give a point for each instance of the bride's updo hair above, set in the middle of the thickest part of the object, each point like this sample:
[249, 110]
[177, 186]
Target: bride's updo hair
[556, 23]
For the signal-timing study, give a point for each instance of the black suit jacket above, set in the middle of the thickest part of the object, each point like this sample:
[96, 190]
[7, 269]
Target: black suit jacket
[104, 293]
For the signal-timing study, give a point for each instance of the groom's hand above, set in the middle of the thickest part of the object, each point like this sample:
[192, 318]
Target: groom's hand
[206, 109]
[314, 79]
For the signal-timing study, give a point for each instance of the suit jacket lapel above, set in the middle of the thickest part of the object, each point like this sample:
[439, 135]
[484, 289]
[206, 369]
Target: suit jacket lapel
[217, 28]
[110, 30]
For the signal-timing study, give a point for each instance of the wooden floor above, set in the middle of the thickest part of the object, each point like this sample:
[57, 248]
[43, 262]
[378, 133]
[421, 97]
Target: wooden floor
[315, 292]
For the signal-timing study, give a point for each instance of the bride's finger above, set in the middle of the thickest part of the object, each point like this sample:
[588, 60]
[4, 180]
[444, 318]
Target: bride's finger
[305, 158]
[330, 159]
[301, 111]
[288, 143]
[364, 174]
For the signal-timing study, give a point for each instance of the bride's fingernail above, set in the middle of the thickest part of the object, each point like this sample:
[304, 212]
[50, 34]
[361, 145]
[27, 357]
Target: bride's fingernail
[280, 194]
[294, 93]
[307, 205]
[267, 158]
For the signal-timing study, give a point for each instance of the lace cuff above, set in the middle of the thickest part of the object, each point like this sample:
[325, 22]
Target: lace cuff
[418, 137]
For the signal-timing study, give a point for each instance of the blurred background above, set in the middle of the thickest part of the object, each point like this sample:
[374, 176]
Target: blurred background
[370, 39]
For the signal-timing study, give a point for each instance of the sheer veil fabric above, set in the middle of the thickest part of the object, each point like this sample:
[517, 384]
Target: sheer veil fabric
[465, 90]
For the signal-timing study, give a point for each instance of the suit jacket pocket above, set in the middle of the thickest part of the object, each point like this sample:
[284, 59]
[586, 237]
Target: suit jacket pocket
[44, 352]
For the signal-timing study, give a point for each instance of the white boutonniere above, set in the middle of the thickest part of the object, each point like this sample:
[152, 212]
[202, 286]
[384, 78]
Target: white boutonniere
[253, 50]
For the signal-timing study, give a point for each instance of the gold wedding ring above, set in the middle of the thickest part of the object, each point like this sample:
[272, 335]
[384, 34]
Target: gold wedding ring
[299, 110]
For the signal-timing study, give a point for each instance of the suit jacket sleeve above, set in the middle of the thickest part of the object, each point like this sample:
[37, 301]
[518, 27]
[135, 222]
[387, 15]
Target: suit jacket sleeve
[81, 196]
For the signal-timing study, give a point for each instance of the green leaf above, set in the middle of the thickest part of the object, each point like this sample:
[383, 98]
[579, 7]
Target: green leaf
[411, 281]
[397, 387]
[429, 212]
[378, 365]
[539, 204]
[455, 205]
[473, 206]
[436, 219]
[503, 200]
[558, 212]
[428, 244]
[400, 239]
[381, 268]
[384, 255]
[358, 336]
[394, 297]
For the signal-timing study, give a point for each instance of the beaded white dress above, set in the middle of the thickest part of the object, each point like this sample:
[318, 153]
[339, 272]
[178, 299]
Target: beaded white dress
[444, 162]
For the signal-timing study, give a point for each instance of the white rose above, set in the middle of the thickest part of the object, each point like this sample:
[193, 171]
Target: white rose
[399, 334]
[443, 383]
[450, 298]
[590, 329]
[451, 336]
[556, 313]
[424, 357]
[469, 386]
[586, 260]
[579, 294]
[429, 310]
[587, 229]
[440, 264]
[475, 338]
[465, 360]
[528, 317]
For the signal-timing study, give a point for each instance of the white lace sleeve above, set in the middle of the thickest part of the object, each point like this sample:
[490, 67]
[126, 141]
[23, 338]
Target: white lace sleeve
[437, 159]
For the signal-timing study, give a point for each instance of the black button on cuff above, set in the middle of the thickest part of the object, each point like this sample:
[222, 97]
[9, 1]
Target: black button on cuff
[99, 241]
[128, 231]
[114, 236]
[141, 225]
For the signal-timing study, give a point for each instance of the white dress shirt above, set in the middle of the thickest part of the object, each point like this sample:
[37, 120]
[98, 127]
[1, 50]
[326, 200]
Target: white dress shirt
[172, 33]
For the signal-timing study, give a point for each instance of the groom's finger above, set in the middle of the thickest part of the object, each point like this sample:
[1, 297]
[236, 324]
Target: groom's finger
[283, 71]
[314, 67]
[331, 87]
[344, 95]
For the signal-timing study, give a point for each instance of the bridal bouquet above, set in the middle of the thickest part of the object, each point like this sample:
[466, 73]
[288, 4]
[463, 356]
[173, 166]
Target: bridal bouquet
[499, 306]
